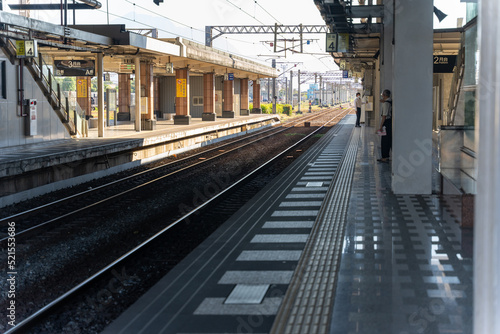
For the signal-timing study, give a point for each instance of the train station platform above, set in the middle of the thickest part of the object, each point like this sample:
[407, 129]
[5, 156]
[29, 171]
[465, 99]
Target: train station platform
[30, 170]
[325, 248]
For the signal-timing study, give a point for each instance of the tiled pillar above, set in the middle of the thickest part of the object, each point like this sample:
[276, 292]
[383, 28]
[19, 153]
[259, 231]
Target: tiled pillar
[412, 98]
[138, 107]
[227, 103]
[124, 97]
[208, 97]
[83, 94]
[148, 90]
[182, 116]
[100, 95]
[256, 97]
[156, 95]
[487, 210]
[244, 98]
[147, 100]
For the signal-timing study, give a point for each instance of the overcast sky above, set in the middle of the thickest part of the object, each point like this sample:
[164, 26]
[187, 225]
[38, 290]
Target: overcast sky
[188, 19]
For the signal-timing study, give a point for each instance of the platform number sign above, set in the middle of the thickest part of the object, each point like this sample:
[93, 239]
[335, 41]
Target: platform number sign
[331, 42]
[26, 49]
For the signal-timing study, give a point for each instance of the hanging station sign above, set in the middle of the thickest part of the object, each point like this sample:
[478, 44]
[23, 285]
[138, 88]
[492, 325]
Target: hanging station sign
[127, 68]
[26, 49]
[343, 42]
[74, 68]
[444, 63]
[331, 42]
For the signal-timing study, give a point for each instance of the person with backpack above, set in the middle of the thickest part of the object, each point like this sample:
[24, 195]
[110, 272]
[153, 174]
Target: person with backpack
[386, 122]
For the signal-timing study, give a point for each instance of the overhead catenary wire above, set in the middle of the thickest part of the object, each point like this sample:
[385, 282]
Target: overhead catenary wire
[275, 19]
[180, 35]
[247, 13]
[201, 31]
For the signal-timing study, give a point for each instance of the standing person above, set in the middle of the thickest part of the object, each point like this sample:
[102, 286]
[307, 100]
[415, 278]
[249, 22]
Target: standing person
[386, 141]
[357, 103]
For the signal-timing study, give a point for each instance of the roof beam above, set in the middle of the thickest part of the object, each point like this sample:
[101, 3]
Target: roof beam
[48, 6]
[360, 12]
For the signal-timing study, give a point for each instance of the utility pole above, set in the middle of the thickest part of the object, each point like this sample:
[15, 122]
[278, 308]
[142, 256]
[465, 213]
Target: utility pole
[298, 89]
[274, 88]
[286, 91]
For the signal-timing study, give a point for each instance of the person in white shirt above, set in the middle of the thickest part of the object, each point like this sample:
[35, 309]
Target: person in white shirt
[386, 141]
[357, 104]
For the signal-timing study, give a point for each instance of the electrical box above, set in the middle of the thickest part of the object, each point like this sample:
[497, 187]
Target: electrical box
[31, 117]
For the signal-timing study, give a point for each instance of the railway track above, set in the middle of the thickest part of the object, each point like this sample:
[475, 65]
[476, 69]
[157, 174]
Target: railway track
[142, 247]
[28, 222]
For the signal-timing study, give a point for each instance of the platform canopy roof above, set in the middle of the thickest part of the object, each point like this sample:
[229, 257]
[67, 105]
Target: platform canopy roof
[364, 37]
[121, 46]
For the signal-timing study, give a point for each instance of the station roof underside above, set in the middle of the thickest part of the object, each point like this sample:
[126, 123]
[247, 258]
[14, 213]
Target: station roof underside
[121, 46]
[365, 36]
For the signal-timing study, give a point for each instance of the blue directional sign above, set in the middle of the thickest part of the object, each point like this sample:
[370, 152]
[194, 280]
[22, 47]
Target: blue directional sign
[345, 74]
[230, 76]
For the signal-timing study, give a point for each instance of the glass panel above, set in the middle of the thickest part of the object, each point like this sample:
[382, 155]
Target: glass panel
[471, 11]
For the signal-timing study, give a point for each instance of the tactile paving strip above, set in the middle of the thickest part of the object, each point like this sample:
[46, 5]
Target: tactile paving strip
[308, 303]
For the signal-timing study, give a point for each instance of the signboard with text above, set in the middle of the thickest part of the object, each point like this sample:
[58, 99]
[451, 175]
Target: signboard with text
[74, 68]
[444, 63]
[26, 49]
[181, 86]
[81, 88]
[331, 42]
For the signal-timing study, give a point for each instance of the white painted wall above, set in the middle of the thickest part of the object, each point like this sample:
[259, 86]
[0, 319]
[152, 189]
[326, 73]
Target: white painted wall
[12, 126]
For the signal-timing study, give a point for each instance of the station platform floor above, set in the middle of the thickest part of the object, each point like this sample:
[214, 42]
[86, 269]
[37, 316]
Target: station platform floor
[325, 248]
[123, 131]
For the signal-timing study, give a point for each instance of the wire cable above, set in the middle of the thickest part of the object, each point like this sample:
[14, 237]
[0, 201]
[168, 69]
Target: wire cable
[256, 19]
[275, 19]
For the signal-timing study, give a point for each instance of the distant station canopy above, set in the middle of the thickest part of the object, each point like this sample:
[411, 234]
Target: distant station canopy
[83, 4]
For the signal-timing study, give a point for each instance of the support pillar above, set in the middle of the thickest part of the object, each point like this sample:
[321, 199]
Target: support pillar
[156, 97]
[228, 96]
[486, 223]
[147, 100]
[100, 95]
[182, 116]
[138, 107]
[291, 88]
[208, 97]
[412, 105]
[244, 111]
[256, 97]
[287, 101]
[274, 97]
[124, 97]
[386, 59]
[320, 90]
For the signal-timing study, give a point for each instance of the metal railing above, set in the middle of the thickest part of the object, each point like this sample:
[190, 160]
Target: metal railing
[43, 74]
[69, 109]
